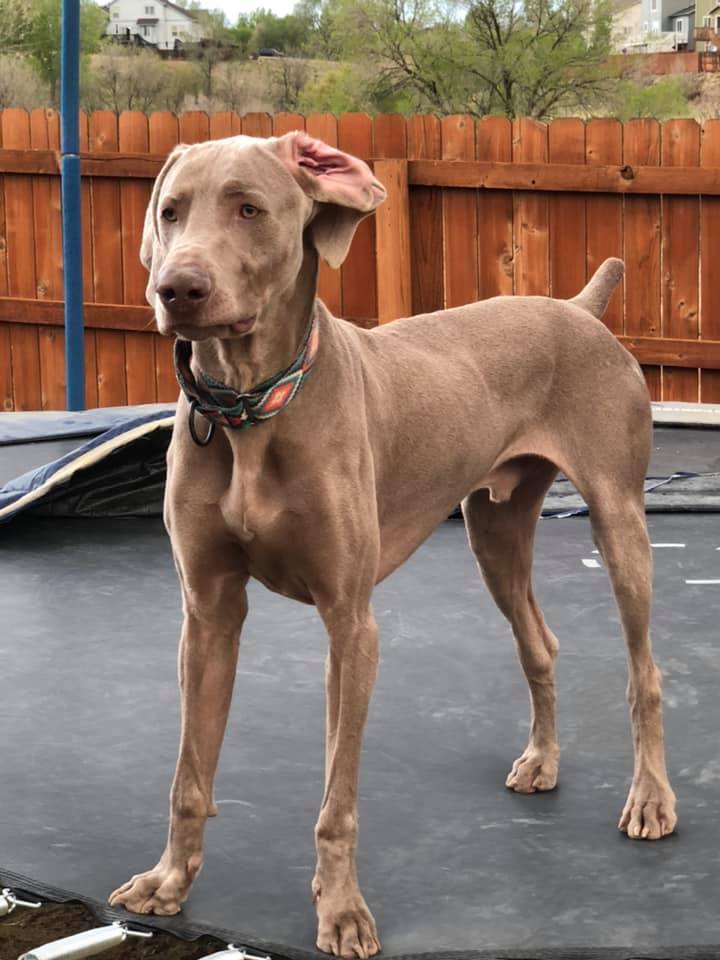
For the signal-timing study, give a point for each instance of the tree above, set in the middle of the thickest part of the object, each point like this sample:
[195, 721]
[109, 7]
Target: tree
[20, 86]
[135, 79]
[212, 49]
[42, 41]
[663, 99]
[288, 34]
[515, 57]
[539, 57]
[290, 79]
[15, 25]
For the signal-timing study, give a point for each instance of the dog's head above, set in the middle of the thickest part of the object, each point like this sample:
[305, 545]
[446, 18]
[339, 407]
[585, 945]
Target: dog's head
[229, 222]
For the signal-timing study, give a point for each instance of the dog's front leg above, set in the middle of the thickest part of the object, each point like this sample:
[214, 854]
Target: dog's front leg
[345, 925]
[207, 662]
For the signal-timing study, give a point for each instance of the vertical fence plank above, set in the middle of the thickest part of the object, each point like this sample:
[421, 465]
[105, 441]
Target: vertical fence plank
[20, 235]
[604, 214]
[194, 126]
[393, 242]
[495, 213]
[6, 379]
[46, 212]
[283, 123]
[107, 262]
[164, 134]
[86, 211]
[133, 137]
[390, 136]
[642, 237]
[91, 371]
[681, 261]
[91, 386]
[426, 220]
[324, 127]
[568, 241]
[358, 274]
[460, 223]
[257, 125]
[224, 124]
[709, 247]
[48, 263]
[531, 214]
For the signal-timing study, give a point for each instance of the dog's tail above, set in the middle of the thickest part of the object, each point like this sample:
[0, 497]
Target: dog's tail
[596, 295]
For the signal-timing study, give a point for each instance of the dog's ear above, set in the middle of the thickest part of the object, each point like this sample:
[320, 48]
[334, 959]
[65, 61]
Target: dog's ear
[343, 188]
[149, 247]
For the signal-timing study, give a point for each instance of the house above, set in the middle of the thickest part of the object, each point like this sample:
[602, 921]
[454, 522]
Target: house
[682, 23]
[154, 23]
[627, 24]
[707, 24]
[667, 25]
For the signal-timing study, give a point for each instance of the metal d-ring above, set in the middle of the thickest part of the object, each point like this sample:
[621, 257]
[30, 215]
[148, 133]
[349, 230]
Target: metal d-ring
[193, 432]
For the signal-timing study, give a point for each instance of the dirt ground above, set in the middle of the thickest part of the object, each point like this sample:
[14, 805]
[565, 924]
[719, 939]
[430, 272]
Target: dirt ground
[22, 930]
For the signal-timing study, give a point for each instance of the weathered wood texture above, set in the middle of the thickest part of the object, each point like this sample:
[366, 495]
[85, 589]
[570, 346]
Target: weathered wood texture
[479, 209]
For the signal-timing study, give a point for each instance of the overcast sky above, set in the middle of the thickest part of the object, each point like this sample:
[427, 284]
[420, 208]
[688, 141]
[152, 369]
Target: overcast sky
[233, 7]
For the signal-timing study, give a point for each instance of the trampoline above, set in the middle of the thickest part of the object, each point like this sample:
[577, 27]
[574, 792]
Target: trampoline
[450, 861]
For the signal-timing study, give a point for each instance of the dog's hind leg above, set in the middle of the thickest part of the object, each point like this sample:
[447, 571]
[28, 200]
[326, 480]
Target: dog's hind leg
[501, 536]
[618, 520]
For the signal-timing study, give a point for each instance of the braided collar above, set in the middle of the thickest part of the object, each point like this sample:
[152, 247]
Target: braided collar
[226, 406]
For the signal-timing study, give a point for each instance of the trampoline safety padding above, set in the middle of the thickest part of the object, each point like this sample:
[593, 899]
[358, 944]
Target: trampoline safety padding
[452, 864]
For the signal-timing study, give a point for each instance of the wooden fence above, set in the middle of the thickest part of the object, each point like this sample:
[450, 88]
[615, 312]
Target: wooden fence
[475, 209]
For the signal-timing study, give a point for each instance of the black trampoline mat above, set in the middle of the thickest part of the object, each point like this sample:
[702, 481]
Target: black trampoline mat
[16, 459]
[689, 449]
[449, 859]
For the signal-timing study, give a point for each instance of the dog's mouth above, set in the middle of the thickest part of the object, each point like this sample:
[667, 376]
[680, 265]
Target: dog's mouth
[182, 327]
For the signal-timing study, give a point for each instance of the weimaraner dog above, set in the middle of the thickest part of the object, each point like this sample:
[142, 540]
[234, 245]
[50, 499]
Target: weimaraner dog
[323, 479]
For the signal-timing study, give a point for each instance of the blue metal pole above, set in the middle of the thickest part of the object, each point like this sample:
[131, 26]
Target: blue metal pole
[71, 204]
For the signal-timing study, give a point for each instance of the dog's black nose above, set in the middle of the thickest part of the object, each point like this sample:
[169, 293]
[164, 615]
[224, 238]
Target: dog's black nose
[184, 289]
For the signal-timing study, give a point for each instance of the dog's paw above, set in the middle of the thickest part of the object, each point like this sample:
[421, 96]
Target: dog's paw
[535, 770]
[649, 813]
[161, 891]
[346, 927]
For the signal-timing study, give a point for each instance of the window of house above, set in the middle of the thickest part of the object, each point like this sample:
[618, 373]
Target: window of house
[707, 21]
[681, 25]
[653, 6]
[717, 24]
[645, 26]
[175, 32]
[146, 30]
[116, 16]
[149, 11]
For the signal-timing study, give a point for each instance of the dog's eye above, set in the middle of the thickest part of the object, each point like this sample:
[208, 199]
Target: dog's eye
[248, 211]
[169, 215]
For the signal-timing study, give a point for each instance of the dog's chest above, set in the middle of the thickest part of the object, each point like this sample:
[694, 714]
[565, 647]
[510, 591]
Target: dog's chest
[258, 502]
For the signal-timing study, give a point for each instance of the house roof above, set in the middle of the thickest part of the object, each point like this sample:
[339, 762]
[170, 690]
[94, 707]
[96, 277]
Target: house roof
[686, 11]
[190, 14]
[620, 5]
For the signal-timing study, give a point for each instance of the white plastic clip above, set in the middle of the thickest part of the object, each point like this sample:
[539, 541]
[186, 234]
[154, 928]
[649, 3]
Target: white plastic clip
[8, 902]
[234, 953]
[86, 944]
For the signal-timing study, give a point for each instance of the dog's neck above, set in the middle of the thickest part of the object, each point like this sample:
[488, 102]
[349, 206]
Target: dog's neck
[271, 347]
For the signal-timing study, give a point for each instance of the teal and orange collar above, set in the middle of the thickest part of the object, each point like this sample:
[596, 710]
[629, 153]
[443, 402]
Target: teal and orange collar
[221, 404]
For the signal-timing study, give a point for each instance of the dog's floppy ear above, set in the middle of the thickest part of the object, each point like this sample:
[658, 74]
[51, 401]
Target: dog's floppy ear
[343, 188]
[150, 237]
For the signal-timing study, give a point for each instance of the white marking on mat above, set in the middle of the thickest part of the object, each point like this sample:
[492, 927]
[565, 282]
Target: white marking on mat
[680, 546]
[702, 582]
[591, 563]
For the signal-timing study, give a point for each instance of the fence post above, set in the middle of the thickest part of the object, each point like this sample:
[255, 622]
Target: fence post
[392, 225]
